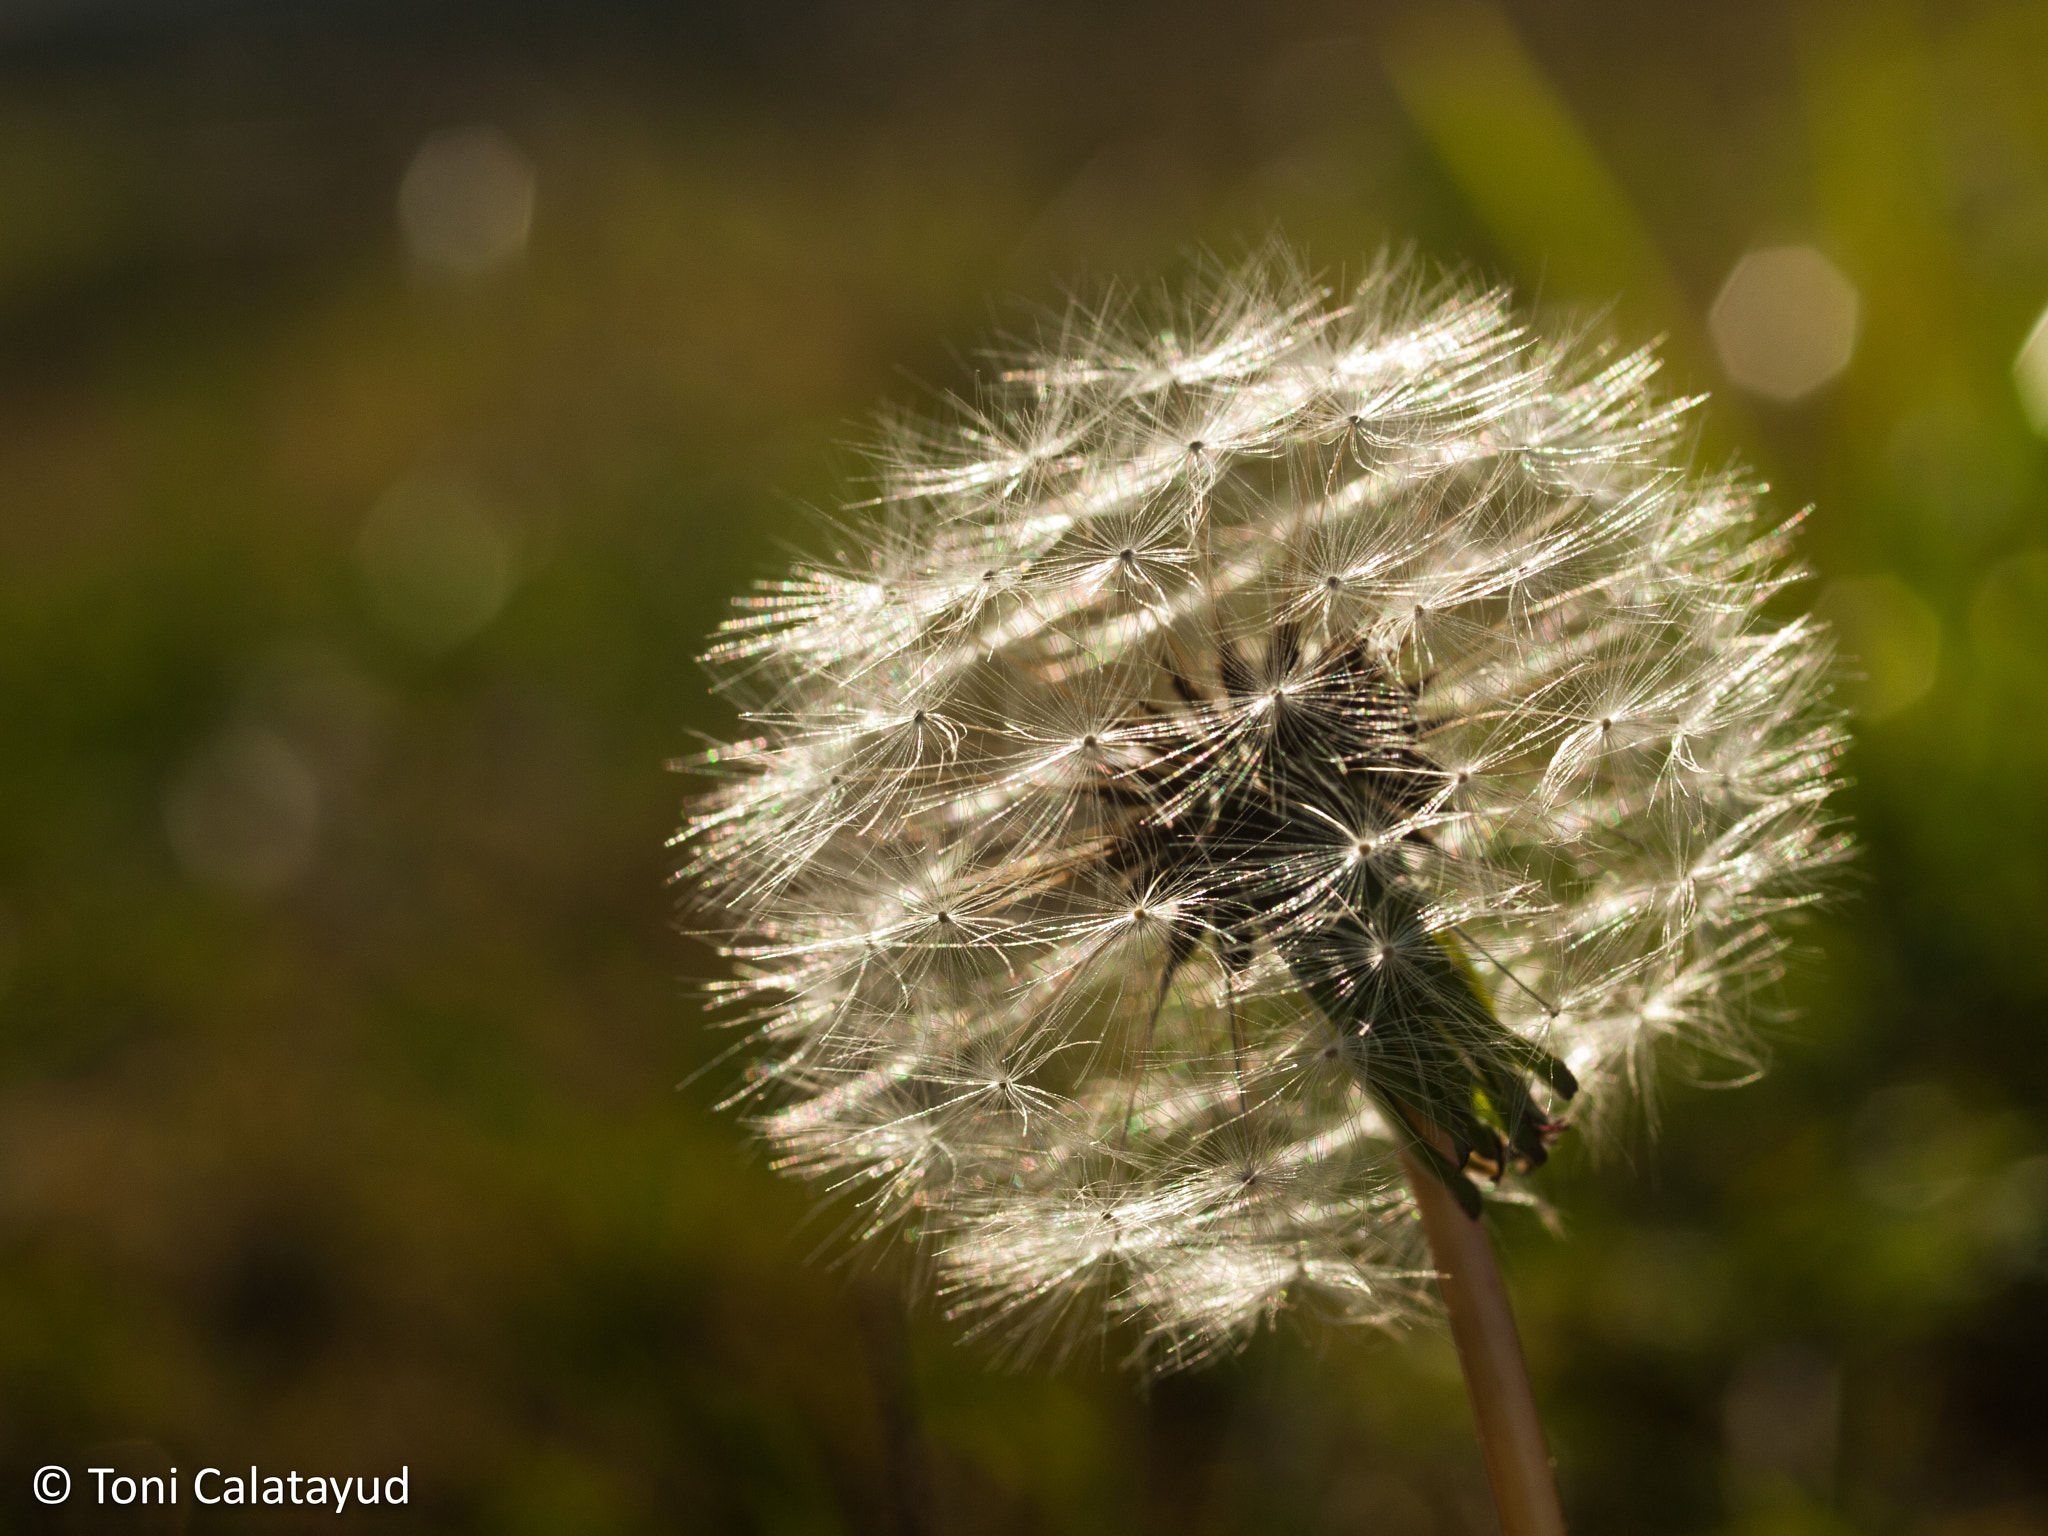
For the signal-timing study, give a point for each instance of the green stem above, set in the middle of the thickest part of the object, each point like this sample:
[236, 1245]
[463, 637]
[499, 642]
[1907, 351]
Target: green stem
[1490, 1351]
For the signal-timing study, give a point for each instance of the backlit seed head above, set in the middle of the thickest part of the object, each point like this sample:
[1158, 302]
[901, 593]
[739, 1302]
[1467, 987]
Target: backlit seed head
[1263, 730]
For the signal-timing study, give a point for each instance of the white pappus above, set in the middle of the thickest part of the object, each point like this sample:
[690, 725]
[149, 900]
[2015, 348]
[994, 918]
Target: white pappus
[1260, 730]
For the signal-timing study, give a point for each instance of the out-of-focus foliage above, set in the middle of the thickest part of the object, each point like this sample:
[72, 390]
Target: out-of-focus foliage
[391, 396]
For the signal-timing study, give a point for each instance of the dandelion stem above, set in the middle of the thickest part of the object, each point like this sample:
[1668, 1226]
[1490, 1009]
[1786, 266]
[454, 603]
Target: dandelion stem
[1490, 1351]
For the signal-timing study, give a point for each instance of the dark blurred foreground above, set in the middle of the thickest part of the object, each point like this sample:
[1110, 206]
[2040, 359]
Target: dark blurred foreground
[392, 398]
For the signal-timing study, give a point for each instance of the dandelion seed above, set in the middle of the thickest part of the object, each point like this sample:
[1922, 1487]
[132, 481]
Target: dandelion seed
[1251, 742]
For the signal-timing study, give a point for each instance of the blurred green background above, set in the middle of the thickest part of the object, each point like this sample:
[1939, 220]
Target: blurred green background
[393, 396]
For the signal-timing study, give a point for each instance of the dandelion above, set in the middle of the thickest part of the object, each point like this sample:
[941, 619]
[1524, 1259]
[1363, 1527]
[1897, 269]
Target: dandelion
[1246, 776]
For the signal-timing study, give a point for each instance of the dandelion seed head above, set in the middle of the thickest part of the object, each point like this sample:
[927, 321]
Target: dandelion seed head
[1266, 729]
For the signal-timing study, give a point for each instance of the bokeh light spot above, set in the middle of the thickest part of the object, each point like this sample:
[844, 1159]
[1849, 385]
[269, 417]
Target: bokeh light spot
[465, 204]
[437, 563]
[1890, 639]
[2030, 375]
[2009, 619]
[244, 813]
[1784, 322]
